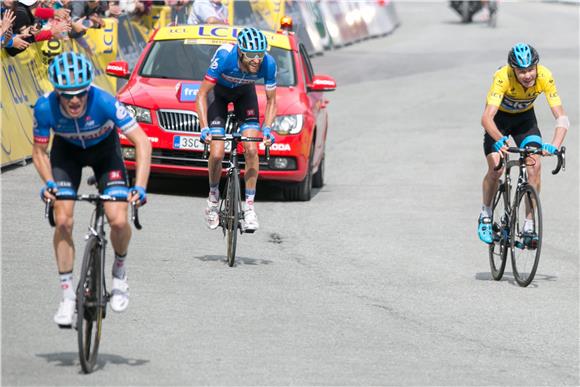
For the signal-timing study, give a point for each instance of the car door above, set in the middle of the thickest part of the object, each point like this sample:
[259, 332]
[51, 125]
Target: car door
[316, 100]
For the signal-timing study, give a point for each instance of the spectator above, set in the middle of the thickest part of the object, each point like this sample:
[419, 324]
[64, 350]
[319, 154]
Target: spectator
[133, 7]
[6, 27]
[94, 11]
[208, 12]
[178, 11]
[26, 26]
[8, 38]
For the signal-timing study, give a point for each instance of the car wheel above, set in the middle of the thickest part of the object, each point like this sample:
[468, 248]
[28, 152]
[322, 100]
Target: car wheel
[318, 177]
[301, 191]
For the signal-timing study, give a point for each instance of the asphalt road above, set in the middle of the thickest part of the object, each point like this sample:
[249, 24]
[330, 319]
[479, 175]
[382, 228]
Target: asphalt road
[378, 280]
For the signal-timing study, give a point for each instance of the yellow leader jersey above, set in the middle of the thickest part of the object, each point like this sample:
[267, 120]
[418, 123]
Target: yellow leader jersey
[511, 97]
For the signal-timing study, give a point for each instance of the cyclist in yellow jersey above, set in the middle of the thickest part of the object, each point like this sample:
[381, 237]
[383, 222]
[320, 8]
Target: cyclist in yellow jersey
[509, 111]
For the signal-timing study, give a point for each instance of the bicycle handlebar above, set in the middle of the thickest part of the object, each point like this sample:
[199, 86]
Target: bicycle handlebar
[94, 198]
[561, 154]
[234, 139]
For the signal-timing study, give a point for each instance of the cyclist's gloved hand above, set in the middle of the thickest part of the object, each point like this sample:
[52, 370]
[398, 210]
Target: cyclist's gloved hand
[551, 149]
[51, 187]
[141, 191]
[500, 143]
[204, 133]
[267, 133]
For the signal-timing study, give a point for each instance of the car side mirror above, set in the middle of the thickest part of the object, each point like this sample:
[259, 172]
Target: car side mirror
[322, 83]
[118, 69]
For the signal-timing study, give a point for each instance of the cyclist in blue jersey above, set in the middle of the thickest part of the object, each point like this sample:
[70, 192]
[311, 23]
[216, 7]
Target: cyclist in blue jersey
[84, 120]
[231, 77]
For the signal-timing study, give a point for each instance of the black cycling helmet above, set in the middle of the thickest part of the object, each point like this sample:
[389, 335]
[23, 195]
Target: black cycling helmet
[523, 56]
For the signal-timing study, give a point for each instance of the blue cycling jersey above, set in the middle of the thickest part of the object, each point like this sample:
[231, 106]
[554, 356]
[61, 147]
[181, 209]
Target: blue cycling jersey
[224, 69]
[102, 114]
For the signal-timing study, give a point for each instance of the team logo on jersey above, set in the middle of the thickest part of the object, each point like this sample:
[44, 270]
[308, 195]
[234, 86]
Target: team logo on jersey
[115, 175]
[214, 64]
[250, 112]
[121, 111]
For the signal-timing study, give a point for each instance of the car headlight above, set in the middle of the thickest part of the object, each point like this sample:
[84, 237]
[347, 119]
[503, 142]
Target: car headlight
[140, 114]
[290, 124]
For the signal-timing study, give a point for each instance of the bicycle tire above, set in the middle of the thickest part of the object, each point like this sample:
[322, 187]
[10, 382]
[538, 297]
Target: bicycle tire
[232, 216]
[525, 251]
[500, 225]
[90, 305]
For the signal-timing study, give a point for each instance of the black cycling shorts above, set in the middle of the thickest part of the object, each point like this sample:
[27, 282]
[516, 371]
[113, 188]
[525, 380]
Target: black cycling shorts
[518, 125]
[245, 103]
[104, 158]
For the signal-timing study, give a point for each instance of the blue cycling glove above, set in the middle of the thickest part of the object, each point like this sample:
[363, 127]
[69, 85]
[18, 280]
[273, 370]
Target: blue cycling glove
[142, 193]
[50, 186]
[551, 149]
[204, 133]
[500, 143]
[267, 132]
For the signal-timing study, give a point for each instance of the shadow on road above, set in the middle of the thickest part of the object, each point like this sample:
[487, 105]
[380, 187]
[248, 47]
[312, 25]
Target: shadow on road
[70, 359]
[239, 260]
[508, 277]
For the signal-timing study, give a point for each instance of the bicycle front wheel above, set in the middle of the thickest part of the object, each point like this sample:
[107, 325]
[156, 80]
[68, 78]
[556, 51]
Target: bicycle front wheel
[232, 215]
[90, 305]
[527, 235]
[500, 225]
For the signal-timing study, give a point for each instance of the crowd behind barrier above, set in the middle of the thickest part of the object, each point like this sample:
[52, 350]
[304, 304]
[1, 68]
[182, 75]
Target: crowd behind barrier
[124, 29]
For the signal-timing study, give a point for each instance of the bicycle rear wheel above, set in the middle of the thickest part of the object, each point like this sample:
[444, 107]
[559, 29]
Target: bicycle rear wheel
[232, 216]
[90, 305]
[526, 240]
[500, 225]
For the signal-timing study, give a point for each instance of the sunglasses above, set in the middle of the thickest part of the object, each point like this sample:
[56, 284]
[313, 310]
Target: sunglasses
[70, 96]
[254, 55]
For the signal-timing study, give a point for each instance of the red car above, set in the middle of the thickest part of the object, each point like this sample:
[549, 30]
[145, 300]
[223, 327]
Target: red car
[161, 92]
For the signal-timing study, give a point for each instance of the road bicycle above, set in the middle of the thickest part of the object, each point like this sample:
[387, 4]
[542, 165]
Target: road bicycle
[92, 295]
[517, 218]
[231, 214]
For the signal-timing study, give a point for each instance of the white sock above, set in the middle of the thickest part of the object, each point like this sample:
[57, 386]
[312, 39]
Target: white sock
[66, 285]
[528, 225]
[214, 193]
[250, 195]
[486, 211]
[119, 266]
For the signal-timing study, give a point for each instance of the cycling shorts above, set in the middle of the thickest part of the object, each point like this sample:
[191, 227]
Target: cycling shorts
[517, 125]
[104, 158]
[245, 103]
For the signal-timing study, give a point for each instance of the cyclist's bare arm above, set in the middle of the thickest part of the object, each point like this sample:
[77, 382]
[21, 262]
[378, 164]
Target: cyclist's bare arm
[204, 89]
[42, 163]
[488, 123]
[561, 130]
[270, 112]
[143, 153]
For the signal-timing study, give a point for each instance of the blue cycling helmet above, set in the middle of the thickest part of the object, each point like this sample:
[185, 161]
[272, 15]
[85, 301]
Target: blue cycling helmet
[70, 70]
[252, 40]
[522, 56]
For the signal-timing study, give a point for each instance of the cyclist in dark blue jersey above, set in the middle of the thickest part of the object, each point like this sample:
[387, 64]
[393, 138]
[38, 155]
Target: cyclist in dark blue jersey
[84, 120]
[231, 77]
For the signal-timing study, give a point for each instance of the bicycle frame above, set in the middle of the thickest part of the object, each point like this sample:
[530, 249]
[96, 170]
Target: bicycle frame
[96, 238]
[508, 231]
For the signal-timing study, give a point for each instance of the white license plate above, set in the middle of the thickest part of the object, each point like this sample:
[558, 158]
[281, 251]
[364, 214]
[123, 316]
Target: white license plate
[190, 142]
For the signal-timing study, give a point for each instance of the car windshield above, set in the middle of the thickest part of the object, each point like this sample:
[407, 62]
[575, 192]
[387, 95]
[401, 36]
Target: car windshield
[179, 59]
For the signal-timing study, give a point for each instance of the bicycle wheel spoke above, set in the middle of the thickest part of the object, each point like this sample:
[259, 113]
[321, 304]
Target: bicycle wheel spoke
[500, 226]
[232, 211]
[527, 236]
[90, 306]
